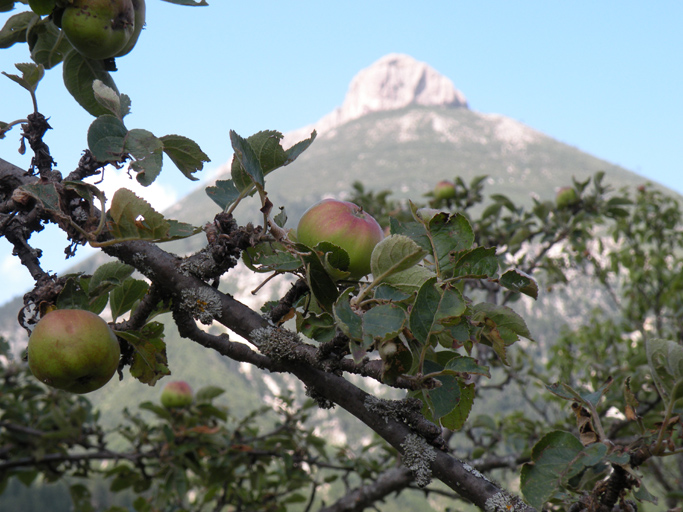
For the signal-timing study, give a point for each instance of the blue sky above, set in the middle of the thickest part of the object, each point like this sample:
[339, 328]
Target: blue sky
[601, 76]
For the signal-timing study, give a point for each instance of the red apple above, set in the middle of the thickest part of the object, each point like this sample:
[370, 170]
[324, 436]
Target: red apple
[566, 196]
[74, 350]
[444, 190]
[343, 224]
[176, 393]
[99, 29]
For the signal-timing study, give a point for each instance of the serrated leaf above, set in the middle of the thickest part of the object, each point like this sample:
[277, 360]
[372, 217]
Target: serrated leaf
[123, 297]
[394, 254]
[435, 307]
[382, 322]
[107, 97]
[14, 29]
[107, 138]
[348, 321]
[132, 218]
[298, 148]
[320, 283]
[465, 364]
[147, 150]
[47, 194]
[552, 457]
[79, 74]
[149, 360]
[31, 74]
[270, 257]
[108, 276]
[246, 169]
[518, 281]
[410, 281]
[47, 43]
[455, 419]
[223, 193]
[185, 154]
[480, 262]
[665, 359]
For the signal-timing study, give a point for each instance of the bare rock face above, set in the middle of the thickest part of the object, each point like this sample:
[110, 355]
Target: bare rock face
[396, 81]
[393, 82]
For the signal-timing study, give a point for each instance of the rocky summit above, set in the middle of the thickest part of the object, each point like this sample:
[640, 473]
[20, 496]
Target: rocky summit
[393, 82]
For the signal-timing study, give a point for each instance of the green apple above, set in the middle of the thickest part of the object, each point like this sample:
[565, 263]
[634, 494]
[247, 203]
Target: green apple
[99, 29]
[444, 190]
[41, 7]
[343, 224]
[176, 393]
[566, 196]
[140, 13]
[74, 350]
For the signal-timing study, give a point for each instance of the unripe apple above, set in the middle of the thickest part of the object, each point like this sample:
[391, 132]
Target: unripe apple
[343, 224]
[99, 29]
[176, 393]
[140, 14]
[444, 190]
[41, 7]
[74, 350]
[566, 196]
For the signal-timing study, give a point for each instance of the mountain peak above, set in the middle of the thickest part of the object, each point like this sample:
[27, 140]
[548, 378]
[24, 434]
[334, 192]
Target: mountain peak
[393, 82]
[396, 81]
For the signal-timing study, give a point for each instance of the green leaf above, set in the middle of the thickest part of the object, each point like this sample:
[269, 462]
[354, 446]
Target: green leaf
[79, 74]
[14, 30]
[435, 307]
[500, 326]
[119, 105]
[518, 281]
[552, 457]
[480, 262]
[47, 194]
[223, 193]
[107, 138]
[298, 148]
[465, 364]
[31, 74]
[411, 280]
[149, 361]
[108, 276]
[248, 170]
[132, 218]
[123, 297]
[394, 254]
[270, 257]
[146, 149]
[316, 327]
[320, 283]
[382, 322]
[348, 321]
[48, 45]
[455, 419]
[208, 393]
[665, 359]
[185, 154]
[449, 234]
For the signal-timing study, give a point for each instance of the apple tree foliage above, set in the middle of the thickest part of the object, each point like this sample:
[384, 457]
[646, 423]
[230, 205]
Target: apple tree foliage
[587, 418]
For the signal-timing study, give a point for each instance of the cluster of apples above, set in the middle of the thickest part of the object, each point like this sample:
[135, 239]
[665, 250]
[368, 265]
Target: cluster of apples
[97, 29]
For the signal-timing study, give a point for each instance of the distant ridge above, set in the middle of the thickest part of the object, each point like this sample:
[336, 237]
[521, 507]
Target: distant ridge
[394, 82]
